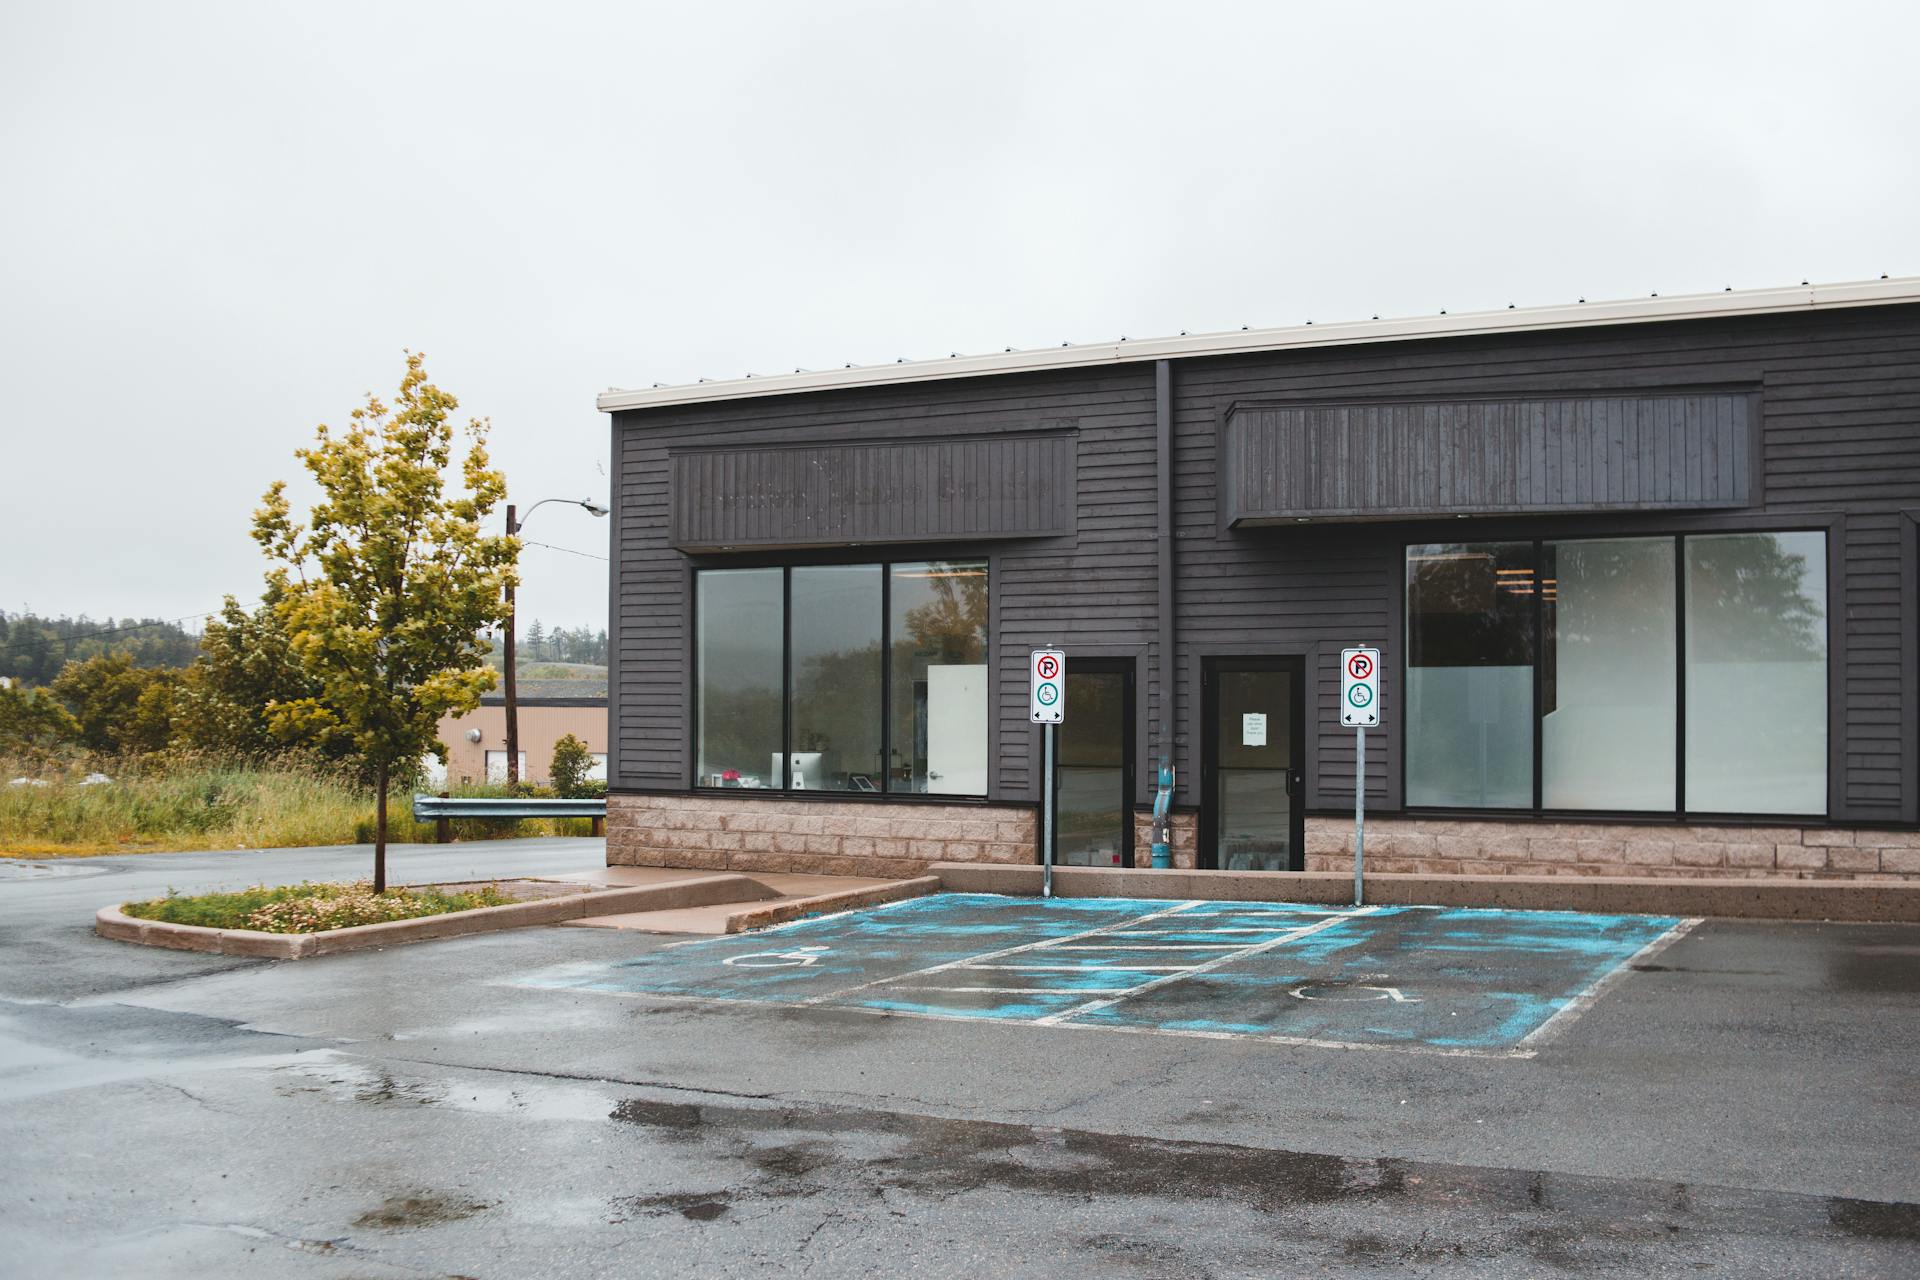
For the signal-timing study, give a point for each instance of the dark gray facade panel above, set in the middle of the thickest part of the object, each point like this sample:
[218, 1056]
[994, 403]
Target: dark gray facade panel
[1818, 416]
[1838, 435]
[1400, 460]
[822, 495]
[1097, 579]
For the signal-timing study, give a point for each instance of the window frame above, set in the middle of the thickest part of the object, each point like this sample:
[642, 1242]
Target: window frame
[1831, 530]
[886, 565]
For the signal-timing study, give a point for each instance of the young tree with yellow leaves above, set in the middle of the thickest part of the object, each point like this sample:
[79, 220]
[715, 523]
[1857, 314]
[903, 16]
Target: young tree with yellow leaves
[385, 590]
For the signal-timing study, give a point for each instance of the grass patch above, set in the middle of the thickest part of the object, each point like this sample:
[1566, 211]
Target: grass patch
[176, 802]
[309, 907]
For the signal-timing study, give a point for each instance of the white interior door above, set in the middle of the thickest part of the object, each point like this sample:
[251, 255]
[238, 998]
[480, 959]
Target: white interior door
[957, 730]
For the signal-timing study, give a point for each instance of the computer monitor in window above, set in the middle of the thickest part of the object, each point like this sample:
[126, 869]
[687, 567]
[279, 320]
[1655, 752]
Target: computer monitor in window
[806, 769]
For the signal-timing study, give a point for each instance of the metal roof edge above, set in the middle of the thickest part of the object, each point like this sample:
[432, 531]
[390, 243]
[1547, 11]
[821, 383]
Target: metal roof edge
[1697, 306]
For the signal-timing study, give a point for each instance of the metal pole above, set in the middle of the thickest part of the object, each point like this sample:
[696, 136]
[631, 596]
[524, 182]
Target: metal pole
[513, 709]
[1046, 819]
[1359, 813]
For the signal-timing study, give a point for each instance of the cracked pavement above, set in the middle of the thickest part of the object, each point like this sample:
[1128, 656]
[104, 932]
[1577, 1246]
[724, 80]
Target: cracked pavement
[1747, 1107]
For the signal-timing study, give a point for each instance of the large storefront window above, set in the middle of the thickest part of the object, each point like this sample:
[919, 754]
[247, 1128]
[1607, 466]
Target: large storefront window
[1757, 673]
[1470, 628]
[836, 678]
[737, 652]
[857, 678]
[1607, 674]
[1604, 618]
[939, 730]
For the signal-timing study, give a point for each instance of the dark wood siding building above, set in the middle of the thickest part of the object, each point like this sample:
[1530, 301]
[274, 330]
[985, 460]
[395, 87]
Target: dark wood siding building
[1204, 522]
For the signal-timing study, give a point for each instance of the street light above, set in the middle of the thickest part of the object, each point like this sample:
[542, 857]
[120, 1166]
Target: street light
[514, 526]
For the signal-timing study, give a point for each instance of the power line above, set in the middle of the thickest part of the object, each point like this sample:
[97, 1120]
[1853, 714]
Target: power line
[569, 550]
[114, 631]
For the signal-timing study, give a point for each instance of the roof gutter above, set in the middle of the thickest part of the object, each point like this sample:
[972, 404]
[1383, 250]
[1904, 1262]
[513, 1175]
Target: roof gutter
[1699, 306]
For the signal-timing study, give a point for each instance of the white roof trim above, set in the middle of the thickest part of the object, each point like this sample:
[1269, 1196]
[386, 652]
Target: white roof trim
[1698, 306]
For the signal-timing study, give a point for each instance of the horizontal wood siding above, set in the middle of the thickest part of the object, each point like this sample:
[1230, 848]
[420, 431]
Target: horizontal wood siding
[1835, 397]
[1393, 460]
[816, 495]
[1838, 397]
[1093, 579]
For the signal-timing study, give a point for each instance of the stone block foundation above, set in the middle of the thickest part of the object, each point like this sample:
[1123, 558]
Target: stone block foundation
[813, 837]
[1441, 846]
[827, 837]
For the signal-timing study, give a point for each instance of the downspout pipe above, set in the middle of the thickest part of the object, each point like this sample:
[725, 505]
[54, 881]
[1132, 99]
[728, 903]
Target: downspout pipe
[1163, 666]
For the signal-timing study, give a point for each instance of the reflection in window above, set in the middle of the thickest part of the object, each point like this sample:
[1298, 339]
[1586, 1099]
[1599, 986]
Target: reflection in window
[737, 655]
[1607, 674]
[836, 678]
[1091, 812]
[1757, 673]
[1469, 728]
[937, 742]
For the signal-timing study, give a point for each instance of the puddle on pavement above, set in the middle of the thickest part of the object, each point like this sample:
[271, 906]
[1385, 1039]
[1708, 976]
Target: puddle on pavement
[796, 1152]
[355, 1082]
[1878, 970]
[405, 1212]
[695, 1206]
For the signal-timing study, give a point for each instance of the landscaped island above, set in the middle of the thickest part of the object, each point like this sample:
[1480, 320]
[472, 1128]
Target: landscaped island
[310, 907]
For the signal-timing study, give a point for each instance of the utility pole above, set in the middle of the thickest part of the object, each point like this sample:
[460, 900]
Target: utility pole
[512, 677]
[513, 707]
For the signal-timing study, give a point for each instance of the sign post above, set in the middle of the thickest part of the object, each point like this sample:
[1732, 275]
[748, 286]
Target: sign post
[1360, 709]
[1047, 707]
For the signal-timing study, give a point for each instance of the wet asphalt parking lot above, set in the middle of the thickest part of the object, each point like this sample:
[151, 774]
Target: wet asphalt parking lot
[1742, 1099]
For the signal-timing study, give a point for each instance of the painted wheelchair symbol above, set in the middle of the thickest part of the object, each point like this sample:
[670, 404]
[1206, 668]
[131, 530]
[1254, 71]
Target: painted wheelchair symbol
[777, 959]
[1344, 993]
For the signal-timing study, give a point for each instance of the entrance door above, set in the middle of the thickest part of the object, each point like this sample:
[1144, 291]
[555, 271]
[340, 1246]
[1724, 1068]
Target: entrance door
[1251, 772]
[1093, 766]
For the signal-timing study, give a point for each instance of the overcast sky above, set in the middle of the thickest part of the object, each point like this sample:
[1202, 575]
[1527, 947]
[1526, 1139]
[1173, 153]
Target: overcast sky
[220, 224]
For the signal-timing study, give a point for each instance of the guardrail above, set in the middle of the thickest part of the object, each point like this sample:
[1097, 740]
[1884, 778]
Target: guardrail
[444, 809]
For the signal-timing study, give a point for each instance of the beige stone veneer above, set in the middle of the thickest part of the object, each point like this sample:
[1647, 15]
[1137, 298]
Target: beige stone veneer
[1442, 846]
[817, 837]
[850, 837]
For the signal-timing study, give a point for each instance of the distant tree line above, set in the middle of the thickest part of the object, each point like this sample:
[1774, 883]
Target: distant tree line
[215, 699]
[537, 644]
[33, 649]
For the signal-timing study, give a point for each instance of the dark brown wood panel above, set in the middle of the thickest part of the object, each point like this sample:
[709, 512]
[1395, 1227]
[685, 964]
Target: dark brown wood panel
[845, 494]
[1397, 460]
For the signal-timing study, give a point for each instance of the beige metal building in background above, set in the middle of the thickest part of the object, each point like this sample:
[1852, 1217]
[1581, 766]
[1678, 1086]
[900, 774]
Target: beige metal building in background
[477, 742]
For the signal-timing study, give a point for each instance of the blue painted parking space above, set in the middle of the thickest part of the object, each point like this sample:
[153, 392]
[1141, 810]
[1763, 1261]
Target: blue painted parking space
[1438, 980]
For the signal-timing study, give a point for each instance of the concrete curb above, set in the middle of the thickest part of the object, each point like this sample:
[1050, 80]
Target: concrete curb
[821, 904]
[1865, 901]
[702, 891]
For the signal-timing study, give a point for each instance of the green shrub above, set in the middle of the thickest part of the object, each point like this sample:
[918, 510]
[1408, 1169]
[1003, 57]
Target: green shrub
[309, 907]
[571, 761]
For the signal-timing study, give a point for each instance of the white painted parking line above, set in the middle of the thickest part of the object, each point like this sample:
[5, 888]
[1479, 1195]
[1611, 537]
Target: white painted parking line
[969, 961]
[1012, 991]
[1086, 968]
[1125, 946]
[1094, 1006]
[1564, 1016]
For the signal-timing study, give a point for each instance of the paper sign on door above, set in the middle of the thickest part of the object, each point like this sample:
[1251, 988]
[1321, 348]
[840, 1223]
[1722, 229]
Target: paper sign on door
[1253, 729]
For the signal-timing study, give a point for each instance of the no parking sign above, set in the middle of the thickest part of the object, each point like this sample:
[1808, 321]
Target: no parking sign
[1360, 688]
[1048, 671]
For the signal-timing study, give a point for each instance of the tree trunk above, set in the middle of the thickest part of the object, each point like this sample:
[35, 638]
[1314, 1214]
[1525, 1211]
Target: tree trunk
[380, 834]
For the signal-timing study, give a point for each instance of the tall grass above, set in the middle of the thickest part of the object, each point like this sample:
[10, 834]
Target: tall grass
[183, 802]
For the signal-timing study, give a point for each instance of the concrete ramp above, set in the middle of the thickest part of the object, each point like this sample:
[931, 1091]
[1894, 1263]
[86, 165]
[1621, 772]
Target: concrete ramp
[697, 902]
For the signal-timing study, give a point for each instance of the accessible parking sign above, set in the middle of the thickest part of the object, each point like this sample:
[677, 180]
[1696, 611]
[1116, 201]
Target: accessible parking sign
[1360, 688]
[1047, 672]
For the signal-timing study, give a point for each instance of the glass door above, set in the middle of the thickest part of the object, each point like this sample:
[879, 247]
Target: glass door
[1093, 767]
[1251, 816]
